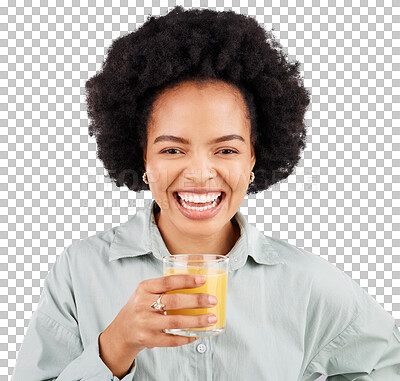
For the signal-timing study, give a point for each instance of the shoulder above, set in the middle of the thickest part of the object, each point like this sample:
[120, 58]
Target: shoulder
[129, 238]
[94, 245]
[313, 267]
[331, 294]
[327, 299]
[89, 251]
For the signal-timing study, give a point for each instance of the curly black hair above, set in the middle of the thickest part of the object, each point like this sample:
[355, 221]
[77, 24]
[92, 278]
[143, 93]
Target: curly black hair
[197, 45]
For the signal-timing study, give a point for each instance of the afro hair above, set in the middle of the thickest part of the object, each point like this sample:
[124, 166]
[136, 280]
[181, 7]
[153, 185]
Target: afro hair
[197, 45]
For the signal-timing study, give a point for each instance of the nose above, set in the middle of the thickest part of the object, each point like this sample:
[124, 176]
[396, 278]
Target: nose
[199, 174]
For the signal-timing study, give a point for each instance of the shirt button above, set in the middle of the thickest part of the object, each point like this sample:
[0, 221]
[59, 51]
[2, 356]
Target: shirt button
[236, 260]
[201, 348]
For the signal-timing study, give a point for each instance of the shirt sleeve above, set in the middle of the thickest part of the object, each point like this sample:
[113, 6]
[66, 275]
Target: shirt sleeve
[367, 349]
[52, 348]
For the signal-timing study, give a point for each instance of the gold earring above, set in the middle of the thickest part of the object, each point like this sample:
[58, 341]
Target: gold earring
[145, 178]
[252, 176]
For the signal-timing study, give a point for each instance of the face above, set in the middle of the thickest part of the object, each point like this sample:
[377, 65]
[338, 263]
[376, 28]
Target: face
[186, 156]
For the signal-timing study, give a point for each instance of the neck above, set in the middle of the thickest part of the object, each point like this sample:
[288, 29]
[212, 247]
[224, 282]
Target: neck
[220, 243]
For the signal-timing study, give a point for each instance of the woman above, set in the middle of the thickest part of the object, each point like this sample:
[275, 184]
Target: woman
[201, 103]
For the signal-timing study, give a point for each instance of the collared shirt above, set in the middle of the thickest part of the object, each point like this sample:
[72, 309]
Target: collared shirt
[291, 315]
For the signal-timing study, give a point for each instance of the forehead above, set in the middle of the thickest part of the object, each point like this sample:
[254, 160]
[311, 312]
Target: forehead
[212, 104]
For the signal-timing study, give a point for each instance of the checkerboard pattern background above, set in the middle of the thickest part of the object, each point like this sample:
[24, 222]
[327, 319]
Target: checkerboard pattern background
[340, 203]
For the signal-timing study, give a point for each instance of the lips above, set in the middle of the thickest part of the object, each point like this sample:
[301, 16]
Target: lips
[204, 214]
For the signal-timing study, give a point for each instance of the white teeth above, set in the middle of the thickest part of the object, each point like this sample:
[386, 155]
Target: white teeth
[199, 199]
[186, 206]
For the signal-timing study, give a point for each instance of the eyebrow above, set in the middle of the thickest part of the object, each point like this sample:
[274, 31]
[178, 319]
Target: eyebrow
[177, 139]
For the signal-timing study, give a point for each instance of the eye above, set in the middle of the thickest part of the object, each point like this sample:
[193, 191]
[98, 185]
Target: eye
[228, 149]
[175, 149]
[169, 149]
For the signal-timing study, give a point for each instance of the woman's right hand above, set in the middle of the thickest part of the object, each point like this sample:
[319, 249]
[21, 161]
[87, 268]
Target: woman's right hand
[142, 327]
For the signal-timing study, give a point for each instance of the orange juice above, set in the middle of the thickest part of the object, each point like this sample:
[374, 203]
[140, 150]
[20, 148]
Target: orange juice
[216, 284]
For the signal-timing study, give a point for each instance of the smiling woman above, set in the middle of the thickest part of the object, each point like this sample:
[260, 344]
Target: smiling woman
[201, 108]
[208, 152]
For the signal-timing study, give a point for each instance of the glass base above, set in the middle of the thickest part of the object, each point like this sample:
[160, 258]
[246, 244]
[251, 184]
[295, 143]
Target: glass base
[193, 333]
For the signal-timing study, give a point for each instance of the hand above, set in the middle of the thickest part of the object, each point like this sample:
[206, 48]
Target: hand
[141, 326]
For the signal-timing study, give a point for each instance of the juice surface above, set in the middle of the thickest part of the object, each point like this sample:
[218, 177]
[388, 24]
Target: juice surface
[216, 284]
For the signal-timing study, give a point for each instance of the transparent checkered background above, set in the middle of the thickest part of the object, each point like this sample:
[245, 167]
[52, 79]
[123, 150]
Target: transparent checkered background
[340, 203]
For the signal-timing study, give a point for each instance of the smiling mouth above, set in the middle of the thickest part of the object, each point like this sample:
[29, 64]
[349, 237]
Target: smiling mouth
[199, 205]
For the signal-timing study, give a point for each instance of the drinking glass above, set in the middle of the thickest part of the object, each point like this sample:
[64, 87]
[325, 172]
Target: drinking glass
[215, 268]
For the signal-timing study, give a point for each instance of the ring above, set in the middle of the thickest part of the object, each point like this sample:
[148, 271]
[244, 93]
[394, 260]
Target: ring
[158, 306]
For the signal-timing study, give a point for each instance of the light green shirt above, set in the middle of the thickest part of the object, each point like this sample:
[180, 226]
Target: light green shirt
[291, 315]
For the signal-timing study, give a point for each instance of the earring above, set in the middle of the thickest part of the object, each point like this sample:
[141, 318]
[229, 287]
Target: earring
[145, 178]
[252, 176]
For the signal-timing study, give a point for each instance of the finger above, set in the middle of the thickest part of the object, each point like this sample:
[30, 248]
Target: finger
[171, 282]
[160, 322]
[170, 340]
[177, 301]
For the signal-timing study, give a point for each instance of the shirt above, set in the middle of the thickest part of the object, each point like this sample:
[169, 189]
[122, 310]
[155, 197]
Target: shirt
[290, 315]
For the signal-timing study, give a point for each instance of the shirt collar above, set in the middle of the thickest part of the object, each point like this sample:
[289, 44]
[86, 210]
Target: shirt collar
[140, 235]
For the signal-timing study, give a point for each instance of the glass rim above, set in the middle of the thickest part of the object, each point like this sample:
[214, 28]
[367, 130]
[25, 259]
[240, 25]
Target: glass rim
[175, 258]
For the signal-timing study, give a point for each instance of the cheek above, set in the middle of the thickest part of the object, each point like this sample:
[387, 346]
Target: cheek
[237, 176]
[161, 175]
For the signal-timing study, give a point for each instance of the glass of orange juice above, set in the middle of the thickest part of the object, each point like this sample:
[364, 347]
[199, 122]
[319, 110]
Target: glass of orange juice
[215, 268]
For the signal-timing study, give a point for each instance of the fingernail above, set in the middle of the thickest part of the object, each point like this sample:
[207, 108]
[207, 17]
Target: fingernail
[200, 279]
[212, 319]
[212, 299]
